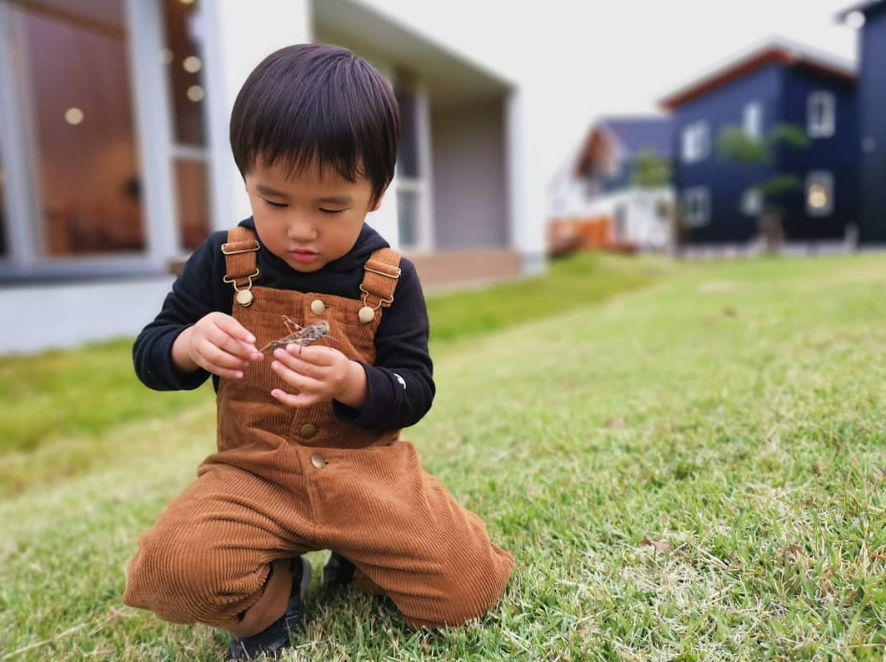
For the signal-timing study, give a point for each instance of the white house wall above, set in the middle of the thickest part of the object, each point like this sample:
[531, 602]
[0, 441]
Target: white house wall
[528, 123]
[643, 227]
[506, 136]
[469, 175]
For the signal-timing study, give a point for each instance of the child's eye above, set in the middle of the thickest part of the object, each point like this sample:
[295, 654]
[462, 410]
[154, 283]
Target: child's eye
[278, 205]
[332, 212]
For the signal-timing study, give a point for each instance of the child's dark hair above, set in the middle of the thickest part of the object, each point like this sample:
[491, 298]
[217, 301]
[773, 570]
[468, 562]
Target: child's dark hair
[314, 104]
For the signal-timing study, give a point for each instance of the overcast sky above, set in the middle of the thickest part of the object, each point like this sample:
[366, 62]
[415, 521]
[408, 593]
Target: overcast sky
[594, 58]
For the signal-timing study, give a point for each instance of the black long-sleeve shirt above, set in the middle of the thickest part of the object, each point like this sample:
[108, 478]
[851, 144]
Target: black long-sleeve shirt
[401, 341]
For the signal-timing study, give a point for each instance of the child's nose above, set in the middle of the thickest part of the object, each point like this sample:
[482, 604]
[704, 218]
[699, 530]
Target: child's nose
[301, 229]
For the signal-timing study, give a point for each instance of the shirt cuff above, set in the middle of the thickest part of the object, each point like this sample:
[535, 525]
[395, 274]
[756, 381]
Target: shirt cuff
[176, 380]
[379, 402]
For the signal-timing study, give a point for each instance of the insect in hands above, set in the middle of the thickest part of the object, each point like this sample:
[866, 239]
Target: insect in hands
[299, 335]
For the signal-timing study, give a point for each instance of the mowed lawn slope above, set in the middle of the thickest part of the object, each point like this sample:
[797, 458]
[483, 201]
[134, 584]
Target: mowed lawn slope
[691, 471]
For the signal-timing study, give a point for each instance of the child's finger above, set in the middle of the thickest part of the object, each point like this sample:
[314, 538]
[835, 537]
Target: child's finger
[234, 329]
[296, 379]
[219, 337]
[315, 354]
[229, 374]
[215, 357]
[295, 362]
[216, 369]
[300, 400]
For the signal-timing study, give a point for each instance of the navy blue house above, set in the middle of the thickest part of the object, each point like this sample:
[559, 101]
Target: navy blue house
[871, 16]
[780, 83]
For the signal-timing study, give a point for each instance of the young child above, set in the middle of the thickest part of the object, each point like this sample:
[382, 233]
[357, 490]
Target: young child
[309, 454]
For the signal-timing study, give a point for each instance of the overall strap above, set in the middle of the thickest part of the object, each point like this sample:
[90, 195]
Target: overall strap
[382, 272]
[240, 263]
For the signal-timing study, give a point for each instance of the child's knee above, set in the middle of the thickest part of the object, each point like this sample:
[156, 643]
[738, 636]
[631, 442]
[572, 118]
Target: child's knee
[455, 610]
[172, 569]
[462, 597]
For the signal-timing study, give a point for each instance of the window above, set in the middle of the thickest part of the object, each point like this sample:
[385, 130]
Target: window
[753, 120]
[411, 178]
[822, 113]
[696, 142]
[752, 202]
[73, 108]
[697, 205]
[407, 154]
[407, 215]
[820, 193]
[183, 61]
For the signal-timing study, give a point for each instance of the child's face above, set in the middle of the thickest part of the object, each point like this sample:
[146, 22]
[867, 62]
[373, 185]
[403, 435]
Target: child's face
[308, 220]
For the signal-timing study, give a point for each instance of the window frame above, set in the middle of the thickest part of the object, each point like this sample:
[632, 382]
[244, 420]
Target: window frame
[752, 120]
[420, 185]
[702, 194]
[752, 203]
[828, 125]
[695, 142]
[152, 134]
[184, 152]
[825, 177]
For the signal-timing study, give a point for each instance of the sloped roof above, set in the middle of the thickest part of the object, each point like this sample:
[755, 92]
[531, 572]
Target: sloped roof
[622, 138]
[643, 132]
[776, 51]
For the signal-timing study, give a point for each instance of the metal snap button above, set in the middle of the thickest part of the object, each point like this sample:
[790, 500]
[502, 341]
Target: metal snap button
[318, 461]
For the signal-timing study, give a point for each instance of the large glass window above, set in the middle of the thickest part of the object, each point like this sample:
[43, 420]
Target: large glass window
[410, 178]
[72, 86]
[183, 58]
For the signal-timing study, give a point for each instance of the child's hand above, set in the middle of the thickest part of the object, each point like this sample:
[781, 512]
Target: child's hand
[217, 343]
[320, 374]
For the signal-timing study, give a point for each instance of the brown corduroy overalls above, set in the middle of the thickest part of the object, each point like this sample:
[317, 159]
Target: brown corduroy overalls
[287, 481]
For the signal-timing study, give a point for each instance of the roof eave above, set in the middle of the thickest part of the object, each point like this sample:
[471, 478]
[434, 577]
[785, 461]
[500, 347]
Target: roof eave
[747, 65]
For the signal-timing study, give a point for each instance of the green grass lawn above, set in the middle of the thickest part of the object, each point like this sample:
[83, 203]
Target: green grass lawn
[694, 470]
[59, 410]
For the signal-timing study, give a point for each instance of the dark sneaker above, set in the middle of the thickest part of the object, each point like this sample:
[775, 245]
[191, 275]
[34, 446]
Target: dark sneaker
[338, 571]
[276, 637]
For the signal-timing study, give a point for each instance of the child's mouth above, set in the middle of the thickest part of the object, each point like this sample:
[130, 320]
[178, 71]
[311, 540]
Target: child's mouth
[303, 256]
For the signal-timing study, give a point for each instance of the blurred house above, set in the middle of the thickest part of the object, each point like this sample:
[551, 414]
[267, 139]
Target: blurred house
[597, 201]
[870, 17]
[781, 83]
[115, 163]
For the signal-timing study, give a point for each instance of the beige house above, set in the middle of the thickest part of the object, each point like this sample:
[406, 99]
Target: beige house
[115, 164]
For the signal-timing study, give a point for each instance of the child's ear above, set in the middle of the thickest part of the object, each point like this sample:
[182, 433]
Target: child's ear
[377, 203]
